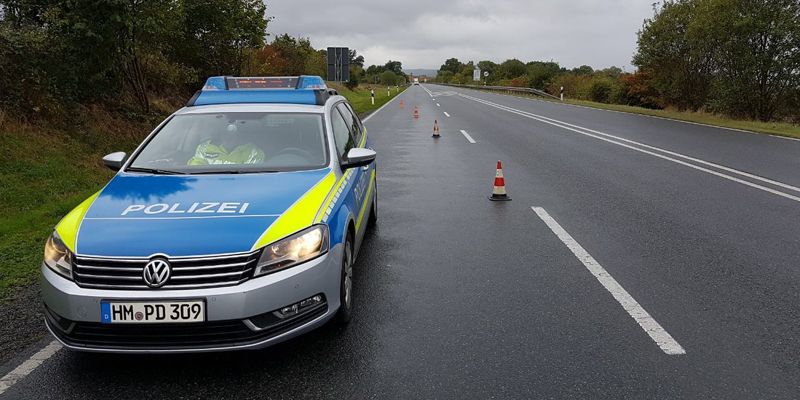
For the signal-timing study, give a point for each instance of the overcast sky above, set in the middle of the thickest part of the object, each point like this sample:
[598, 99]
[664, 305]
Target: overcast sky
[423, 33]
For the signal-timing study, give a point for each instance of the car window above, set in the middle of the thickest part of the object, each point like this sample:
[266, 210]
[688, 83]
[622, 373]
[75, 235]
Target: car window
[236, 142]
[341, 133]
[352, 122]
[358, 120]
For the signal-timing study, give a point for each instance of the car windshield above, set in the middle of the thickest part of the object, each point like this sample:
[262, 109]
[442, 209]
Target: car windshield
[235, 143]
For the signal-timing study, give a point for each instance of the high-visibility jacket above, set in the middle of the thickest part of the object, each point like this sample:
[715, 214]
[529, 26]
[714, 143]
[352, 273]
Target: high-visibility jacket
[209, 153]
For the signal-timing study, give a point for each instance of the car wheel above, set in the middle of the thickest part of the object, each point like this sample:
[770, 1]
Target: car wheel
[345, 312]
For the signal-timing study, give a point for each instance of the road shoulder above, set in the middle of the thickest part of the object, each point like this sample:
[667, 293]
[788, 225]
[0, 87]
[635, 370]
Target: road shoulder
[22, 326]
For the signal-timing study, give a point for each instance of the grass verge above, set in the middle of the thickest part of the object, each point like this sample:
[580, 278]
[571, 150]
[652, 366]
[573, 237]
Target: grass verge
[360, 96]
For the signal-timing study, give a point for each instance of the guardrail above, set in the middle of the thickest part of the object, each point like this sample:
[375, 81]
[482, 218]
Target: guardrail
[505, 89]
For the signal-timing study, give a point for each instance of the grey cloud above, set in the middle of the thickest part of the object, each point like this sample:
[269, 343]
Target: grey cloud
[422, 34]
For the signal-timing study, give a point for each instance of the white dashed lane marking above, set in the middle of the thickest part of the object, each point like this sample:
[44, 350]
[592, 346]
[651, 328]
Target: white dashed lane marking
[659, 335]
[466, 135]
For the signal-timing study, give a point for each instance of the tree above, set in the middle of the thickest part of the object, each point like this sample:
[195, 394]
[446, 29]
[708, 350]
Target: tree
[675, 54]
[738, 57]
[444, 76]
[107, 49]
[394, 66]
[356, 59]
[452, 65]
[217, 32]
[758, 60]
[511, 69]
[389, 78]
[540, 74]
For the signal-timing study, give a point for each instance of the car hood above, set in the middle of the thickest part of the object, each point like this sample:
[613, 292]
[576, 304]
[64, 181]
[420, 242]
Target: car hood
[138, 215]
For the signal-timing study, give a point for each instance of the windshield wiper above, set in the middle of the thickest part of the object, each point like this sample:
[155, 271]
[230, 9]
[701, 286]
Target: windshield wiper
[154, 171]
[234, 171]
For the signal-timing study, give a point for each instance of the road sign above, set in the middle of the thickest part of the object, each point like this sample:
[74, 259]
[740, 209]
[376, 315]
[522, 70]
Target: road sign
[476, 74]
[338, 59]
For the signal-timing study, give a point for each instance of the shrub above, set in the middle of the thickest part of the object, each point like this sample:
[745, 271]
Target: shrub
[600, 91]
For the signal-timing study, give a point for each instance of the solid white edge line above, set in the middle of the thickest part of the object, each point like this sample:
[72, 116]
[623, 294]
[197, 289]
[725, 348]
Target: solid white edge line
[779, 137]
[715, 173]
[653, 329]
[381, 107]
[645, 115]
[672, 153]
[429, 92]
[446, 114]
[29, 365]
[466, 135]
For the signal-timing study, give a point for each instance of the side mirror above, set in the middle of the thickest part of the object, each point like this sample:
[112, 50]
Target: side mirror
[358, 157]
[114, 160]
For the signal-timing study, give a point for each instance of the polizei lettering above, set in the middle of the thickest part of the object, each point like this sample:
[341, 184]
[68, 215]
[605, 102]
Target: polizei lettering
[188, 208]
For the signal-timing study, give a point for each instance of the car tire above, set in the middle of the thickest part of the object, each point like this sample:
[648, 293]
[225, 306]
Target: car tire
[345, 312]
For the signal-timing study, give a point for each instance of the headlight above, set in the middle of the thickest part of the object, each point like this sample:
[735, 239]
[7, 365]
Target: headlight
[300, 247]
[57, 256]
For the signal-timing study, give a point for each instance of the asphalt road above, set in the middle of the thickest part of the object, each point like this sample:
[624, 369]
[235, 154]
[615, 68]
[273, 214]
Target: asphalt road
[460, 297]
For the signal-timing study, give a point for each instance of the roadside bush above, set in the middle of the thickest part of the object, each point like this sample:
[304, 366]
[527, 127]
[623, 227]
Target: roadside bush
[575, 86]
[389, 78]
[600, 91]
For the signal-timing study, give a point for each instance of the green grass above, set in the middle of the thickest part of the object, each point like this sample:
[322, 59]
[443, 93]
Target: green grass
[45, 172]
[43, 175]
[360, 97]
[770, 128]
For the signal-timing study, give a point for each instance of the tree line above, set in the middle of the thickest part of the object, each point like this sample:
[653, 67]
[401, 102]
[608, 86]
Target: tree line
[739, 58]
[56, 53]
[125, 53]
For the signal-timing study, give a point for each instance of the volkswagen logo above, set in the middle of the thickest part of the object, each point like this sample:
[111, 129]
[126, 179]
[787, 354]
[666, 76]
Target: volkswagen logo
[156, 272]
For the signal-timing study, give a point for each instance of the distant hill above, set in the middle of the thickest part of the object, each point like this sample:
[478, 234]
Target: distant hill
[420, 72]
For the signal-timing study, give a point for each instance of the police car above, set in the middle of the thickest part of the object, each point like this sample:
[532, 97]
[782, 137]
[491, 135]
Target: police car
[234, 225]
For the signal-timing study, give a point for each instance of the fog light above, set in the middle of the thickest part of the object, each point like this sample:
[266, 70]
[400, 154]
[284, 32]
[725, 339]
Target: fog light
[299, 307]
[291, 310]
[311, 301]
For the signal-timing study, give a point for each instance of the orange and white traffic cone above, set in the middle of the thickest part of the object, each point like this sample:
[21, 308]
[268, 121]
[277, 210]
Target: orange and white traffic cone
[499, 189]
[436, 129]
[402, 104]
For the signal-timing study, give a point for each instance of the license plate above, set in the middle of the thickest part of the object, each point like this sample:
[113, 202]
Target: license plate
[152, 312]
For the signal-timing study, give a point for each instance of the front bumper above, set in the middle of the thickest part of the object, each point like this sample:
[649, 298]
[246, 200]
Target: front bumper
[237, 317]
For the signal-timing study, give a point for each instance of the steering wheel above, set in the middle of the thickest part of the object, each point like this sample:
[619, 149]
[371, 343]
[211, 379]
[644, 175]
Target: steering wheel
[297, 151]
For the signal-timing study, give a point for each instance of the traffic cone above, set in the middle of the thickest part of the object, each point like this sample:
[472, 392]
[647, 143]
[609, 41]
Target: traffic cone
[416, 113]
[402, 104]
[435, 129]
[499, 189]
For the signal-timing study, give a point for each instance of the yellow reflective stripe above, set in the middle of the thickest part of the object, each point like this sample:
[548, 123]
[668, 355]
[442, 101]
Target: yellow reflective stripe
[363, 138]
[331, 195]
[68, 227]
[299, 215]
[366, 197]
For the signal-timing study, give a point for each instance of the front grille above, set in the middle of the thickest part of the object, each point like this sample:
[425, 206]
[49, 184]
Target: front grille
[187, 272]
[177, 336]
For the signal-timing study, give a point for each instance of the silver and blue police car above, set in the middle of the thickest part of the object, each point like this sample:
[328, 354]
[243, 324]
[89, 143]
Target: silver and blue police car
[234, 225]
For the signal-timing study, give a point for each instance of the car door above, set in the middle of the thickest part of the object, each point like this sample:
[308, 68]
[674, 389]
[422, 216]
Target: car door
[359, 190]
